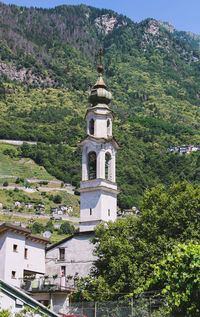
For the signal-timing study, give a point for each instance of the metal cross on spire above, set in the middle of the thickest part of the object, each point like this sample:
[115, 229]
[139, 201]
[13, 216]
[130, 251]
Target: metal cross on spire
[100, 54]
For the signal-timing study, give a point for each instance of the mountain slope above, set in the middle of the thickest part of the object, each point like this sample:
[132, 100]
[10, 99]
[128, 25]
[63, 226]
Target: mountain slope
[193, 40]
[47, 62]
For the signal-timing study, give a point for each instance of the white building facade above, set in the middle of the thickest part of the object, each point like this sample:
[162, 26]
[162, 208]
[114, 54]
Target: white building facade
[21, 254]
[98, 188]
[70, 257]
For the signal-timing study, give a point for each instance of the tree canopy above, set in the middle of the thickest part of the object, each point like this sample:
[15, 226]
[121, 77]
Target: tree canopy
[179, 275]
[127, 249]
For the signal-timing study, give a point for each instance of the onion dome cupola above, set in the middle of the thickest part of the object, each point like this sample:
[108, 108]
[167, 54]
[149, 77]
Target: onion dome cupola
[99, 94]
[99, 117]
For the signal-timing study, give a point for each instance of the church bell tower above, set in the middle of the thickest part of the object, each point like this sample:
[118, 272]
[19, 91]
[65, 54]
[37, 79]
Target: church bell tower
[98, 188]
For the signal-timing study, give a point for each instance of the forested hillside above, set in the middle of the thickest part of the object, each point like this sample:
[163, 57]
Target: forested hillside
[47, 65]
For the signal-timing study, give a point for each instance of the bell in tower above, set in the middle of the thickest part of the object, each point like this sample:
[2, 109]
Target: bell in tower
[98, 189]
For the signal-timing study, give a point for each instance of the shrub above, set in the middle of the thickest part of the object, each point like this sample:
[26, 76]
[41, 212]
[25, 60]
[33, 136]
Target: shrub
[57, 199]
[49, 226]
[43, 183]
[19, 180]
[66, 228]
[36, 227]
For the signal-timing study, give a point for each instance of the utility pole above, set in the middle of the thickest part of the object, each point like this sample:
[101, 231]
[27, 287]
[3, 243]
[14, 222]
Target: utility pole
[149, 306]
[95, 309]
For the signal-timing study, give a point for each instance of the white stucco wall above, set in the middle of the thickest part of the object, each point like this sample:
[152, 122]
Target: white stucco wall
[103, 208]
[109, 202]
[90, 200]
[60, 303]
[9, 302]
[2, 255]
[36, 257]
[78, 257]
[15, 261]
[100, 123]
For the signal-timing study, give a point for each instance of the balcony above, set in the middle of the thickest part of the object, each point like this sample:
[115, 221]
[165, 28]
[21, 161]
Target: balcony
[46, 284]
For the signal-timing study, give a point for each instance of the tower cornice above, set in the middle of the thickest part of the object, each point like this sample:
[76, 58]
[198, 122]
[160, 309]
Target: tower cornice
[90, 138]
[99, 188]
[100, 111]
[106, 181]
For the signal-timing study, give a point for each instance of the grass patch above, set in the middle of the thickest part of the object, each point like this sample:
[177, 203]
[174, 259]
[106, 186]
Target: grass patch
[20, 167]
[13, 218]
[55, 237]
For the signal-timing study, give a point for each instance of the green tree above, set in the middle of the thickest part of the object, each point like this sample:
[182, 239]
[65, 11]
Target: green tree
[49, 226]
[2, 91]
[179, 275]
[36, 227]
[127, 249]
[66, 228]
[57, 199]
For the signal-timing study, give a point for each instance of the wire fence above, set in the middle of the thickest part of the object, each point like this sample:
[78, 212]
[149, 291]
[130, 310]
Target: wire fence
[146, 305]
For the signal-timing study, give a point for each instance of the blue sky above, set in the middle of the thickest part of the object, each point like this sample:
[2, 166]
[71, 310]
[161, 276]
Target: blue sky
[183, 14]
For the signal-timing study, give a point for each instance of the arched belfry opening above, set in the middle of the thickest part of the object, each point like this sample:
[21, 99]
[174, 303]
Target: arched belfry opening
[108, 166]
[91, 127]
[92, 165]
[108, 127]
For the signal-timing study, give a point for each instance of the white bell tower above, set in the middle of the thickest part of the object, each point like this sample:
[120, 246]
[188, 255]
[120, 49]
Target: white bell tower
[98, 189]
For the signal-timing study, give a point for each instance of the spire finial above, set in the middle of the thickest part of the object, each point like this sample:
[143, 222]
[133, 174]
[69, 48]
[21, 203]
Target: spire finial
[100, 54]
[99, 94]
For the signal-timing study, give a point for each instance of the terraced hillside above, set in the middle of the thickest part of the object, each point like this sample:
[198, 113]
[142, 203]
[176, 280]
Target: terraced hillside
[47, 64]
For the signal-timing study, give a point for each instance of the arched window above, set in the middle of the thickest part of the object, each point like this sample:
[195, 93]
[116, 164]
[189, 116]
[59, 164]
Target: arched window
[108, 166]
[108, 128]
[91, 127]
[92, 165]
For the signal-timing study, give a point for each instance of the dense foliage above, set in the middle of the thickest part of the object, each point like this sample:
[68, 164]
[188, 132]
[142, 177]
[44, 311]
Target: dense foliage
[179, 274]
[47, 61]
[65, 228]
[128, 248]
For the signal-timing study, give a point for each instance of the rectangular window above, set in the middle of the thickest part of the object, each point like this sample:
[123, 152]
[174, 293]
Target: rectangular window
[13, 274]
[63, 270]
[61, 253]
[25, 253]
[14, 247]
[108, 212]
[90, 211]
